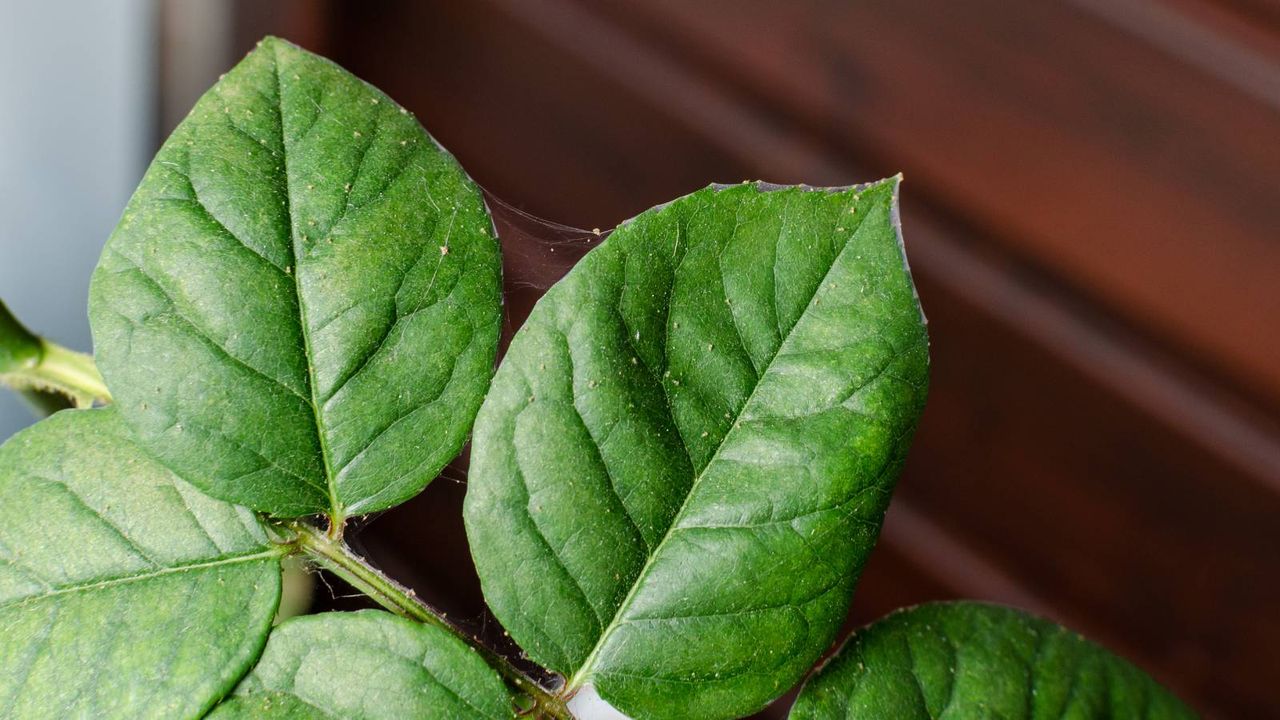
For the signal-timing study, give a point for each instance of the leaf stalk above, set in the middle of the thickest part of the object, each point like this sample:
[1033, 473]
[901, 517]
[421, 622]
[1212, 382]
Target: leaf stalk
[334, 555]
[32, 365]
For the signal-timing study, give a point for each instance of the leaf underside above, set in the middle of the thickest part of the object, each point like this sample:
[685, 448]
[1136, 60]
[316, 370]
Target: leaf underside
[687, 452]
[124, 592]
[299, 309]
[969, 660]
[367, 665]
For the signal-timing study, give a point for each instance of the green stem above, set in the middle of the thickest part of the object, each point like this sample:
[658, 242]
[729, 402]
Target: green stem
[73, 371]
[60, 371]
[334, 555]
[31, 364]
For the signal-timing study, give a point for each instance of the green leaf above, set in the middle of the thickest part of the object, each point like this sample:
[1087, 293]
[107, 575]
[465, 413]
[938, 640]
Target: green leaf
[969, 660]
[367, 665]
[299, 310]
[124, 592]
[268, 706]
[687, 452]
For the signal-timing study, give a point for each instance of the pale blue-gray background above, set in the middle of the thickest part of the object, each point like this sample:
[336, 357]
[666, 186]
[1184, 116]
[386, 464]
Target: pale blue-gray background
[77, 81]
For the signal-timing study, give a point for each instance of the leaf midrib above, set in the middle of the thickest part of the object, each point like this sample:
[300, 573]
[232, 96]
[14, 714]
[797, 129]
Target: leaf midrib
[584, 672]
[335, 505]
[143, 576]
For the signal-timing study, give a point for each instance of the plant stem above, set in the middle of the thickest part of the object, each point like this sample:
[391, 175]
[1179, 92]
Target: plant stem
[58, 372]
[73, 371]
[35, 366]
[334, 555]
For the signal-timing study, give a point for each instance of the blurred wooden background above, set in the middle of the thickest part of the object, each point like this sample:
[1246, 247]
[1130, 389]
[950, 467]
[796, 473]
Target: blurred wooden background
[1091, 212]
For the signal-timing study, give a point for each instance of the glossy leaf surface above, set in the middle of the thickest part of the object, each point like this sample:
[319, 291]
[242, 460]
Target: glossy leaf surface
[687, 452]
[299, 309]
[368, 665]
[969, 660]
[124, 592]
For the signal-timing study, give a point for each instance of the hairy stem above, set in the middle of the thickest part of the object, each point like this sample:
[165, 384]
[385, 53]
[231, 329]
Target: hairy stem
[36, 367]
[72, 372]
[333, 555]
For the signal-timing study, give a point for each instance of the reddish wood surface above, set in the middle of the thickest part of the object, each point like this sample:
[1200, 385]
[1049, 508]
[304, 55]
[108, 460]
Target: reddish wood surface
[1142, 177]
[1091, 212]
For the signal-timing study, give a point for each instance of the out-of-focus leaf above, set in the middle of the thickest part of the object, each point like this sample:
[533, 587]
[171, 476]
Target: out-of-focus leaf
[969, 660]
[368, 665]
[124, 592]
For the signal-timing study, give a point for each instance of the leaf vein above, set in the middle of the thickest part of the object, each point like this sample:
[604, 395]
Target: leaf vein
[144, 576]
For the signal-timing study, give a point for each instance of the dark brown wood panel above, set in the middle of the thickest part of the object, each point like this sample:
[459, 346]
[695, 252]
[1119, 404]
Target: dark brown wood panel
[1142, 177]
[1111, 521]
[1091, 213]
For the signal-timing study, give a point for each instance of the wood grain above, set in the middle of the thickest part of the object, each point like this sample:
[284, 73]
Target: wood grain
[1091, 215]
